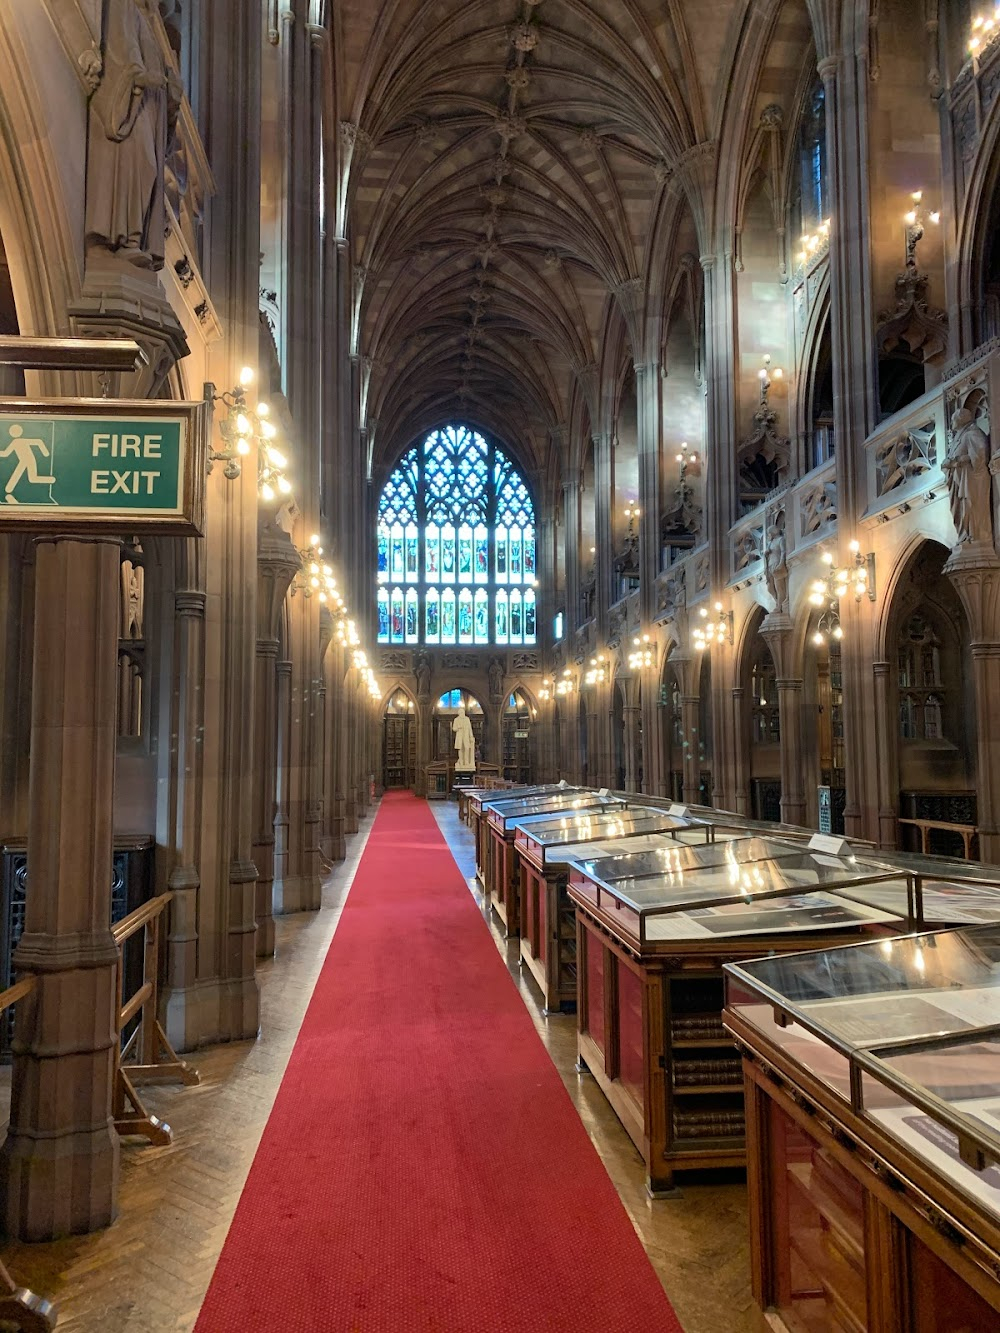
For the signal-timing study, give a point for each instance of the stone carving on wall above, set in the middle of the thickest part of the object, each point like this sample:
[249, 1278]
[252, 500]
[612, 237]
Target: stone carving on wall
[422, 671]
[749, 548]
[967, 470]
[776, 560]
[818, 507]
[672, 596]
[900, 459]
[133, 114]
[395, 662]
[459, 661]
[495, 674]
[617, 621]
[763, 455]
[525, 662]
[702, 573]
[922, 329]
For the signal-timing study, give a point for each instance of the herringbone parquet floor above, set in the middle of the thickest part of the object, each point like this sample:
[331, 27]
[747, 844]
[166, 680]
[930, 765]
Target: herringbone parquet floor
[148, 1273]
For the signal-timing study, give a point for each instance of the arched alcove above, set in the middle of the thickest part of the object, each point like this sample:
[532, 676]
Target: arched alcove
[399, 740]
[932, 701]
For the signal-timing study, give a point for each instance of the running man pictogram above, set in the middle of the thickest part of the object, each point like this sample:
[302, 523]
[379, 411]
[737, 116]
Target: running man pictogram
[27, 462]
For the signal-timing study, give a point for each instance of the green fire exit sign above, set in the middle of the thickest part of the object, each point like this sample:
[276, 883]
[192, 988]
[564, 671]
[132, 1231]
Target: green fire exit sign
[102, 464]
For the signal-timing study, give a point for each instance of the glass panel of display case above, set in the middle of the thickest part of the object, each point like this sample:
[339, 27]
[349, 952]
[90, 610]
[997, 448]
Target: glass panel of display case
[664, 857]
[541, 811]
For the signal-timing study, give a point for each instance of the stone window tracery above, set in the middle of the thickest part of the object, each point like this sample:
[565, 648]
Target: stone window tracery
[921, 691]
[456, 546]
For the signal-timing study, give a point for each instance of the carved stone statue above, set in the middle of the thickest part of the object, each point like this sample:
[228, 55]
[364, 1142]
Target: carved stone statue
[423, 674]
[133, 113]
[966, 468]
[465, 742]
[496, 680]
[776, 565]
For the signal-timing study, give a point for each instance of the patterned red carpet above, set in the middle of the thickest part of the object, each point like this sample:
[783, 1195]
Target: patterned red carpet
[423, 1167]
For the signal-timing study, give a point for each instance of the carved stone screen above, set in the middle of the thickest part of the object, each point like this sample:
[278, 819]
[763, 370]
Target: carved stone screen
[456, 546]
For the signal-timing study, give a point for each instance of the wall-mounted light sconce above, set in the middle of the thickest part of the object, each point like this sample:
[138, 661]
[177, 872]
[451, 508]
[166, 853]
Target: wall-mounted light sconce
[565, 685]
[712, 628]
[687, 458]
[643, 654]
[317, 577]
[913, 221]
[985, 29]
[631, 513]
[241, 429]
[767, 377]
[598, 671]
[545, 693]
[855, 579]
[814, 243]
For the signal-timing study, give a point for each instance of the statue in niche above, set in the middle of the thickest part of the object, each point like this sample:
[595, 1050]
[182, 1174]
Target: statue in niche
[423, 674]
[776, 562]
[496, 680]
[465, 742]
[966, 468]
[133, 113]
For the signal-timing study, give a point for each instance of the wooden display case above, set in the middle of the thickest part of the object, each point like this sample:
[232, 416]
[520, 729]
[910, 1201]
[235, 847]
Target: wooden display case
[503, 878]
[547, 916]
[650, 951]
[477, 798]
[873, 1133]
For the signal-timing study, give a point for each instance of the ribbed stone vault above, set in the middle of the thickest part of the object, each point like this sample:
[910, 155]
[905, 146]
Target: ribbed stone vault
[507, 167]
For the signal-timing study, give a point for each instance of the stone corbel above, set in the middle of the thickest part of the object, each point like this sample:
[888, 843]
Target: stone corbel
[913, 320]
[191, 284]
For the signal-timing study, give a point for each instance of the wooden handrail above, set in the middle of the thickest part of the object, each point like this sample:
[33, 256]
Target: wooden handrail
[20, 1308]
[967, 831]
[129, 925]
[17, 992]
[156, 1060]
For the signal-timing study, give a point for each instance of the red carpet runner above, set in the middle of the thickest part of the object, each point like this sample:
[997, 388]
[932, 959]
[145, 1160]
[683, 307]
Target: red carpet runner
[423, 1167]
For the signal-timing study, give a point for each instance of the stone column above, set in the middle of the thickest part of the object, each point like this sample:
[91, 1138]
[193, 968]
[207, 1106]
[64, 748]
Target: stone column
[604, 498]
[654, 777]
[280, 817]
[277, 565]
[974, 569]
[777, 631]
[886, 727]
[60, 1158]
[739, 760]
[335, 724]
[183, 1024]
[647, 385]
[571, 527]
[630, 714]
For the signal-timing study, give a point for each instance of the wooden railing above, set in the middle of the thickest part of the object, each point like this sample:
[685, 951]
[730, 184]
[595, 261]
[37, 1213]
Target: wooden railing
[20, 1308]
[967, 832]
[146, 1055]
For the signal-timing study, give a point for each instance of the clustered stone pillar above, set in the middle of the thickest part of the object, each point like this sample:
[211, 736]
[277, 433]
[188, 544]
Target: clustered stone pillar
[60, 1159]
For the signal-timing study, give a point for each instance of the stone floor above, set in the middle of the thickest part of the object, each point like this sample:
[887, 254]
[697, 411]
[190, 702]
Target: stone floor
[148, 1273]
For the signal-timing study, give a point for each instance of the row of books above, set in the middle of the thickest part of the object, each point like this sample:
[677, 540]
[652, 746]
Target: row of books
[688, 1072]
[716, 1124]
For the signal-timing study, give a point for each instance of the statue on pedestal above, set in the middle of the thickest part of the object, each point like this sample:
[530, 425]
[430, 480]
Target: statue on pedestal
[465, 742]
[133, 113]
[776, 563]
[967, 470]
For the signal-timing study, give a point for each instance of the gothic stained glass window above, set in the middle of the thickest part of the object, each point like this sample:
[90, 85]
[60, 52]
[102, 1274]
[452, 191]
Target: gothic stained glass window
[448, 501]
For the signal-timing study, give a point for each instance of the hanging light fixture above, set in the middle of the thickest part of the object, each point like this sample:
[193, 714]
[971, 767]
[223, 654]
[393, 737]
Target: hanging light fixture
[597, 673]
[856, 579]
[565, 685]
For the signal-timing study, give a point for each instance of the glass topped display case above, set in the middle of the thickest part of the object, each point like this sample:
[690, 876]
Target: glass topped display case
[896, 1043]
[551, 840]
[741, 887]
[504, 815]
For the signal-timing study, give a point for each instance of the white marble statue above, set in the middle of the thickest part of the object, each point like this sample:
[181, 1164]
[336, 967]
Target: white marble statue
[465, 742]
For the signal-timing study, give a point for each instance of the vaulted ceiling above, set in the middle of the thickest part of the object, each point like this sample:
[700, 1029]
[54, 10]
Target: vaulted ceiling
[506, 164]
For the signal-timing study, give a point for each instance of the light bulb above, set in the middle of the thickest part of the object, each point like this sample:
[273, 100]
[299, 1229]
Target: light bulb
[242, 446]
[854, 545]
[314, 539]
[267, 492]
[838, 633]
[778, 373]
[284, 486]
[818, 639]
[276, 457]
[935, 217]
[718, 606]
[246, 376]
[243, 426]
[268, 430]
[910, 218]
[916, 196]
[263, 410]
[827, 557]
